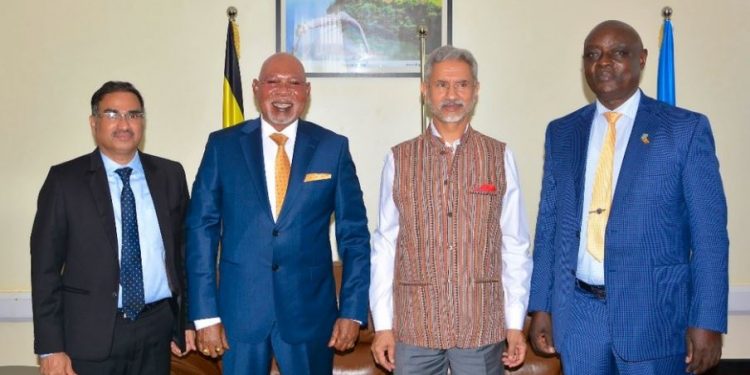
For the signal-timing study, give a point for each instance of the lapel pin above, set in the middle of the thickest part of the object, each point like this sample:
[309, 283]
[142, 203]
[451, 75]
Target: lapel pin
[644, 138]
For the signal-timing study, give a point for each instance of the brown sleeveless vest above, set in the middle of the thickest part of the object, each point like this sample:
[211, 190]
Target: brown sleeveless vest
[448, 273]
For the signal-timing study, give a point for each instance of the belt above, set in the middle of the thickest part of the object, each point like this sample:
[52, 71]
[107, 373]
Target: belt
[146, 307]
[597, 291]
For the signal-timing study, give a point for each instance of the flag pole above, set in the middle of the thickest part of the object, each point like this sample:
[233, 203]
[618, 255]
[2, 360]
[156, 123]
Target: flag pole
[422, 33]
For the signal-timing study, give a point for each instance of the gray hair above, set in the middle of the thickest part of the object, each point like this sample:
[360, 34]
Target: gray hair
[445, 53]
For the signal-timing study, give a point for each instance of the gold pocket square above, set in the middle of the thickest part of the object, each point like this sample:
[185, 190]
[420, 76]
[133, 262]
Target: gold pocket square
[317, 177]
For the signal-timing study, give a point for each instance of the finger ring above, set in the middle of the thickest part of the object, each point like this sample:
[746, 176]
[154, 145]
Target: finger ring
[206, 351]
[218, 349]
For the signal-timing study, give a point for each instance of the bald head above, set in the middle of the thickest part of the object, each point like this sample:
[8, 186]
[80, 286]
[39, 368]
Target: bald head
[281, 90]
[627, 31]
[281, 61]
[613, 59]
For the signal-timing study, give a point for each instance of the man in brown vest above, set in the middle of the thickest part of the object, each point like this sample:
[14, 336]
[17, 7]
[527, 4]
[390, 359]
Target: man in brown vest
[450, 258]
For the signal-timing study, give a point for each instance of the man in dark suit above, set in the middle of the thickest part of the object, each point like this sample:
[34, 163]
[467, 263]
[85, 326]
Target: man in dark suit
[630, 261]
[107, 262]
[265, 192]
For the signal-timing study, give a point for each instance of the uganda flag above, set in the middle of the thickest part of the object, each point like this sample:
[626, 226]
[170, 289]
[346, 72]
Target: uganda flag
[233, 112]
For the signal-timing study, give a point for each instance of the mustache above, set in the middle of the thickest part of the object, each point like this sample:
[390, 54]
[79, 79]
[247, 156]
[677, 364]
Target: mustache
[125, 131]
[447, 102]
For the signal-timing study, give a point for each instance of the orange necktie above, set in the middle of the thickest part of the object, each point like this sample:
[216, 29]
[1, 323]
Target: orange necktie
[601, 199]
[282, 170]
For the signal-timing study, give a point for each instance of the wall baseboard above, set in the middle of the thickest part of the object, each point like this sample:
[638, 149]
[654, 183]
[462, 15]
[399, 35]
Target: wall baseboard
[16, 306]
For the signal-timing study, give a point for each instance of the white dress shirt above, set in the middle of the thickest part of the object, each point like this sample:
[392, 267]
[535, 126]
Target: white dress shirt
[590, 270]
[155, 283]
[270, 149]
[269, 162]
[517, 264]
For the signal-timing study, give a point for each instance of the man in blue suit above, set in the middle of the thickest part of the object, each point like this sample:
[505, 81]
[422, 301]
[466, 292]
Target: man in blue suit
[643, 291]
[274, 293]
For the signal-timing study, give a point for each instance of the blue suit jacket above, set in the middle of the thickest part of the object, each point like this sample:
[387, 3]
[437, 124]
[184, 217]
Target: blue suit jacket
[666, 243]
[276, 272]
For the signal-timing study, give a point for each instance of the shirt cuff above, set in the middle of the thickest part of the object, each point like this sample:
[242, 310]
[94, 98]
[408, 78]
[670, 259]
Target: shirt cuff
[515, 317]
[382, 322]
[203, 323]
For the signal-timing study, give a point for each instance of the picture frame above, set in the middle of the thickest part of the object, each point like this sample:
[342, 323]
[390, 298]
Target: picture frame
[355, 38]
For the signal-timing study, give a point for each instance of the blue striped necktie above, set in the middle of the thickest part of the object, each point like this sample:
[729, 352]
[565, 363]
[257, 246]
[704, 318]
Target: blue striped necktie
[131, 270]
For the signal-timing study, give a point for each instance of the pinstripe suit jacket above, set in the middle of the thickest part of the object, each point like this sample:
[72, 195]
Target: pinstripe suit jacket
[666, 241]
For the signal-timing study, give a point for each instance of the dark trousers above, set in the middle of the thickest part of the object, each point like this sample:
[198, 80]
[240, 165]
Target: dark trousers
[139, 347]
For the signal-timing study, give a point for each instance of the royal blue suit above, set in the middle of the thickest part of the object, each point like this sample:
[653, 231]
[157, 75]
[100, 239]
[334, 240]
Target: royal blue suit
[276, 272]
[666, 244]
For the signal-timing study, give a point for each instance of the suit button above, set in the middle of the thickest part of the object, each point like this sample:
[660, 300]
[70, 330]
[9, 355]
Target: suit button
[275, 267]
[114, 294]
[578, 234]
[275, 233]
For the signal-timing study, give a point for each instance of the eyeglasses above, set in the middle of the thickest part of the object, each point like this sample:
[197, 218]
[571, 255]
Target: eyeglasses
[127, 116]
[277, 83]
[459, 86]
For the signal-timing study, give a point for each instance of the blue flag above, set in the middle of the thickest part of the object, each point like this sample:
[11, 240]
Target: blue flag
[665, 81]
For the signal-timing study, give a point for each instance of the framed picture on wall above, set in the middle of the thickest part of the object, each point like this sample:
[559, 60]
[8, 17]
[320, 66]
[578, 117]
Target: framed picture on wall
[361, 37]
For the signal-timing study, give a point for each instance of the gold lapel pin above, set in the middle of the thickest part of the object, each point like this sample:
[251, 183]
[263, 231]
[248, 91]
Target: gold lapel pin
[644, 138]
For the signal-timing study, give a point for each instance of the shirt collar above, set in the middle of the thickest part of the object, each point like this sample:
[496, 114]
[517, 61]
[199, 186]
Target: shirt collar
[290, 131]
[627, 109]
[453, 144]
[111, 166]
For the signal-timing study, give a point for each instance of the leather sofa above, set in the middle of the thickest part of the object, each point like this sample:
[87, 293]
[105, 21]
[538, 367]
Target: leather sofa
[356, 361]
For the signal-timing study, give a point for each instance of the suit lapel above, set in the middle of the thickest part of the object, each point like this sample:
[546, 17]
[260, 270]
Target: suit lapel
[157, 186]
[97, 179]
[636, 150]
[252, 150]
[304, 148]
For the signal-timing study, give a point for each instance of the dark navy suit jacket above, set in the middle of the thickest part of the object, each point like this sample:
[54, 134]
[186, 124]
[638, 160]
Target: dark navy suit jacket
[276, 272]
[75, 270]
[666, 244]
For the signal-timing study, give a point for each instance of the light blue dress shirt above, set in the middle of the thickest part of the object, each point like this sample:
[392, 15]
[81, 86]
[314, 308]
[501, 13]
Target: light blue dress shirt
[590, 270]
[155, 283]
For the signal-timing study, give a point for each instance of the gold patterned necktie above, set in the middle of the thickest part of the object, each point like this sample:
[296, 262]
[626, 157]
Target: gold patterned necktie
[601, 199]
[282, 170]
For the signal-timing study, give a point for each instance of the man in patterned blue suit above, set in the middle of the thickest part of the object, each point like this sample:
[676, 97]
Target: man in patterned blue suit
[654, 300]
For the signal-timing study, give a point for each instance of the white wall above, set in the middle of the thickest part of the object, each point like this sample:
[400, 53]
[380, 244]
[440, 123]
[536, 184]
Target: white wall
[55, 54]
